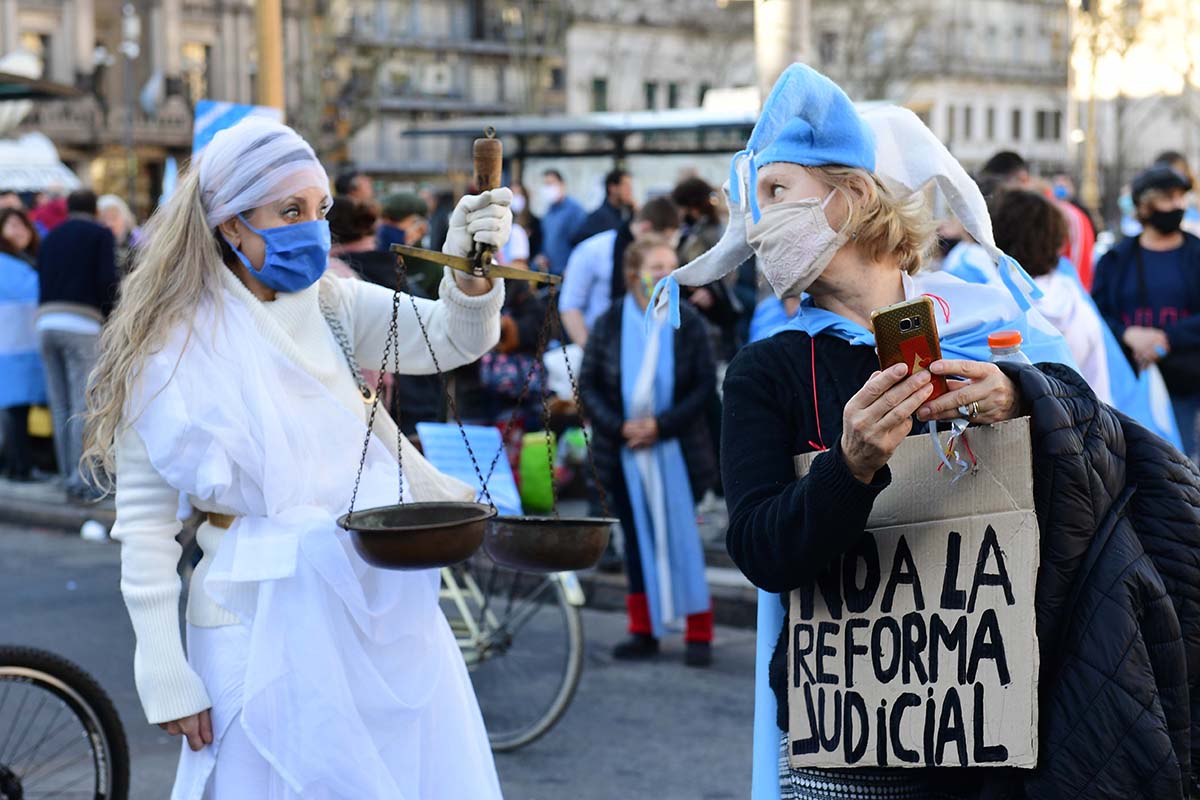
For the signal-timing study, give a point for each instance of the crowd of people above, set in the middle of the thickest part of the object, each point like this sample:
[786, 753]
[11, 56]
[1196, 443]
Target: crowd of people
[1127, 314]
[61, 260]
[722, 333]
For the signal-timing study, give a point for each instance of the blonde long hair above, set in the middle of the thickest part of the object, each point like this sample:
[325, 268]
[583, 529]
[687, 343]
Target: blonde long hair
[177, 265]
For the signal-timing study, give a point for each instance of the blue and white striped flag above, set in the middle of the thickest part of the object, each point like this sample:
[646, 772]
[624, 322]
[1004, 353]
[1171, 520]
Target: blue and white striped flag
[21, 379]
[212, 116]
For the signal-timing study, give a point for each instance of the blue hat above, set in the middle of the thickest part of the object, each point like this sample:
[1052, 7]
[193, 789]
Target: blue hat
[807, 120]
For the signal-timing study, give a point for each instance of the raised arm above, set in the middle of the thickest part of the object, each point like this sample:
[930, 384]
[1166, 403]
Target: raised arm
[783, 531]
[461, 327]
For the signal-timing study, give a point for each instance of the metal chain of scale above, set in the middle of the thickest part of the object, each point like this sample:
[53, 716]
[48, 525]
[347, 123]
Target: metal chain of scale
[392, 344]
[402, 285]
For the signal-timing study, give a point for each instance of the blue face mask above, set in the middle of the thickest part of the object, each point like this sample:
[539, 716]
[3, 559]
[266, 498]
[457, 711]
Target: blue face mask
[296, 256]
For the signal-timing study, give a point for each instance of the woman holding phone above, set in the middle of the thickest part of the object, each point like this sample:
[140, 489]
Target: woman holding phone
[829, 200]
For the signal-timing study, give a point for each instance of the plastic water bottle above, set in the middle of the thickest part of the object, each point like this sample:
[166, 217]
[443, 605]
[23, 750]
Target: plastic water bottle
[1006, 346]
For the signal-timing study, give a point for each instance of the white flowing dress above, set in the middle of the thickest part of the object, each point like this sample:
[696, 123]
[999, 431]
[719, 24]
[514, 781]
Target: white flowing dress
[340, 680]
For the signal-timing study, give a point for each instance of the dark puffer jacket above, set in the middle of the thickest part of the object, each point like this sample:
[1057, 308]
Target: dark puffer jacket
[1118, 592]
[695, 380]
[1118, 599]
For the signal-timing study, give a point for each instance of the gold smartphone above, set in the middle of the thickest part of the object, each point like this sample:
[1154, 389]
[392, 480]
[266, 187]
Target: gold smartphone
[906, 333]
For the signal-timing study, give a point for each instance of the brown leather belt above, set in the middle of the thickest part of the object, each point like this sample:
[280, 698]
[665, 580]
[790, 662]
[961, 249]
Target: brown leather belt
[223, 521]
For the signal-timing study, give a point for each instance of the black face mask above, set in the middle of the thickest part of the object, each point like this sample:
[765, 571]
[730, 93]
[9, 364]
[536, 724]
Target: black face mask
[1166, 221]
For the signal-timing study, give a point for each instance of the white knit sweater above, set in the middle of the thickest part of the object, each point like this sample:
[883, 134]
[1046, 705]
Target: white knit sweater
[461, 328]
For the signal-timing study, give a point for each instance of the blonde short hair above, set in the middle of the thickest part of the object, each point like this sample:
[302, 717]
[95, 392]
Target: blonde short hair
[882, 223]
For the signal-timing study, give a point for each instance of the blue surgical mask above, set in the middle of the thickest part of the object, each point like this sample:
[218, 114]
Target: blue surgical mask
[296, 256]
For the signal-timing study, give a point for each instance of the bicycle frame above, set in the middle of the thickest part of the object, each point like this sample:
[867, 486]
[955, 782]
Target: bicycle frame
[475, 640]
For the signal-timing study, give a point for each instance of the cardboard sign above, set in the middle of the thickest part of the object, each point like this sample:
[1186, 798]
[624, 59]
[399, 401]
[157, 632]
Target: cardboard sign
[917, 648]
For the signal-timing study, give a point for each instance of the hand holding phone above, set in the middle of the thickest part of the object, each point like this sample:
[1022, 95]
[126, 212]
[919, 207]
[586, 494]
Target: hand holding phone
[906, 333]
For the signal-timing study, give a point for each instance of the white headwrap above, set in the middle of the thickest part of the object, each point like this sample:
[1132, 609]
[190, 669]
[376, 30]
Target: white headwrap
[255, 162]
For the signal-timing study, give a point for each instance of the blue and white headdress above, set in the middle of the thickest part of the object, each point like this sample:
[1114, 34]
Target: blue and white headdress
[808, 120]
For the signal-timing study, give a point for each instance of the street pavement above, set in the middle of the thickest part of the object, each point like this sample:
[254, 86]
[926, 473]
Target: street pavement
[656, 730]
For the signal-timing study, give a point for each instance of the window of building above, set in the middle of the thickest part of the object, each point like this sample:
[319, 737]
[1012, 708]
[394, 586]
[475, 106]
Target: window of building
[968, 123]
[991, 41]
[990, 124]
[1018, 44]
[672, 95]
[951, 119]
[599, 94]
[558, 79]
[650, 89]
[704, 90]
[1048, 126]
[827, 48]
[1016, 124]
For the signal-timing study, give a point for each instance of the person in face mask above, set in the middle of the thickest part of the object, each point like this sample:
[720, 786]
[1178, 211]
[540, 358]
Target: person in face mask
[832, 203]
[229, 376]
[561, 215]
[1148, 290]
[402, 220]
[646, 391]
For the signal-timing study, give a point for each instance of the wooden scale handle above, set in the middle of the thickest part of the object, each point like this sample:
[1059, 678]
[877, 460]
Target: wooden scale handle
[488, 154]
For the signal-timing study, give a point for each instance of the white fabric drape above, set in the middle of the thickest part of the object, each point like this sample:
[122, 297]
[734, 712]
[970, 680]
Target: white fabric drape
[353, 685]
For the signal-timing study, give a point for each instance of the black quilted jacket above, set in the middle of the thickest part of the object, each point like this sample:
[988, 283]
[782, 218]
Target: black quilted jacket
[1118, 600]
[1118, 593]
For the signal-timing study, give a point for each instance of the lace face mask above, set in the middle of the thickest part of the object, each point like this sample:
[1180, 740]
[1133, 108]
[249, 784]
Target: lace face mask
[794, 243]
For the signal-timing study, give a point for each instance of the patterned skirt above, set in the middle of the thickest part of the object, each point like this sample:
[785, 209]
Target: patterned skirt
[856, 784]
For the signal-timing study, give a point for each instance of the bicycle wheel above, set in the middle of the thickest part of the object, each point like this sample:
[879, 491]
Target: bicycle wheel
[60, 735]
[523, 643]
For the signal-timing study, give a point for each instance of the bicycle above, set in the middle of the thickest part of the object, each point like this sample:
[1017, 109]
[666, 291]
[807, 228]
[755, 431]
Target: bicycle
[60, 735]
[487, 606]
[524, 685]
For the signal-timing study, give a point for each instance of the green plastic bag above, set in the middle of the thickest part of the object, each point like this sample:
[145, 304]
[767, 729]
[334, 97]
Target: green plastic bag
[537, 472]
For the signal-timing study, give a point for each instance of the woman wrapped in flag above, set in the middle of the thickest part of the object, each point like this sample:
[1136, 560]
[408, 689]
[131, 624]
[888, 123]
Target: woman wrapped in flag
[831, 202]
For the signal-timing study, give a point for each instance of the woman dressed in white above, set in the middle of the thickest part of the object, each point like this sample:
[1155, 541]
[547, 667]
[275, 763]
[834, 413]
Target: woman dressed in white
[225, 377]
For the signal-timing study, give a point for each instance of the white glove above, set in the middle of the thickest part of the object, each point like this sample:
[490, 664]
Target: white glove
[485, 218]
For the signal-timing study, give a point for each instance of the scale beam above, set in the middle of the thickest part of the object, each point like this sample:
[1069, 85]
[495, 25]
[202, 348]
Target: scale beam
[476, 269]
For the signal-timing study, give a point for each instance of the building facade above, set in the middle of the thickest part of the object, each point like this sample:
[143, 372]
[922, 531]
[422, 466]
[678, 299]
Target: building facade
[143, 64]
[631, 56]
[985, 75]
[435, 59]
